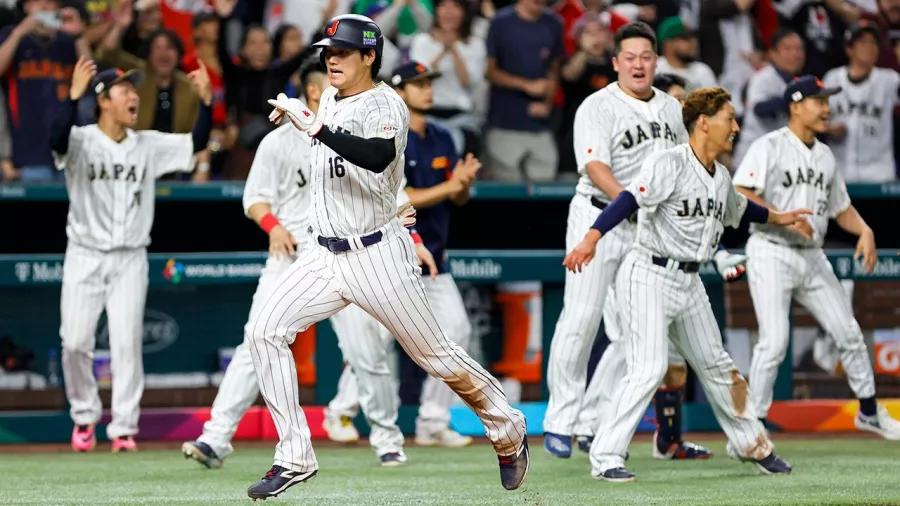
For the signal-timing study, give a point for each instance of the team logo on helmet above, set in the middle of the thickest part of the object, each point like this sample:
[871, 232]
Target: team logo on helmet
[331, 30]
[369, 38]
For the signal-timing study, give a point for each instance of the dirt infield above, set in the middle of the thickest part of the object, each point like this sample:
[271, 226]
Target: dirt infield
[535, 441]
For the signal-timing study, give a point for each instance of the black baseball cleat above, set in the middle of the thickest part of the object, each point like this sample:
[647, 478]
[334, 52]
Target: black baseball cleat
[773, 464]
[202, 453]
[513, 468]
[617, 475]
[276, 481]
[584, 443]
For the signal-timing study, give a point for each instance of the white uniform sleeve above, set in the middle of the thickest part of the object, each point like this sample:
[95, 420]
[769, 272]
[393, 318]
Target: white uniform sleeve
[169, 152]
[402, 196]
[656, 180]
[754, 167]
[262, 181]
[838, 199]
[383, 117]
[592, 134]
[760, 89]
[735, 206]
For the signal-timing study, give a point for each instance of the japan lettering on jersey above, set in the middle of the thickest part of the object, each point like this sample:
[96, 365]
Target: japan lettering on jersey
[348, 200]
[280, 177]
[789, 175]
[620, 131]
[684, 207]
[112, 185]
[866, 153]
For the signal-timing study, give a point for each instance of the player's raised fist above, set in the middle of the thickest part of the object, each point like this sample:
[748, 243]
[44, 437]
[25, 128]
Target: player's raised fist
[85, 70]
[200, 79]
[581, 256]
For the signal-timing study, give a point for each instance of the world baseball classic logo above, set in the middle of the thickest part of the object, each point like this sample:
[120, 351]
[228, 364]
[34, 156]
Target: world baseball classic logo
[173, 271]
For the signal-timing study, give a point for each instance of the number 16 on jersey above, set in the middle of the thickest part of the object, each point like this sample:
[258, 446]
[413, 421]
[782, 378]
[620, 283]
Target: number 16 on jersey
[336, 167]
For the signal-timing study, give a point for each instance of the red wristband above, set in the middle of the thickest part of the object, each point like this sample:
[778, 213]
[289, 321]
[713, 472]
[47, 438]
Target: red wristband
[268, 222]
[417, 239]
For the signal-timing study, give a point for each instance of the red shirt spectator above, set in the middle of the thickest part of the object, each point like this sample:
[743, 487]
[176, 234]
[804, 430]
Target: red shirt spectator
[216, 84]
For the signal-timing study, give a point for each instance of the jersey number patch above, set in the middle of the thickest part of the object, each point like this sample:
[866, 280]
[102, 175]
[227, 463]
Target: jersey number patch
[336, 167]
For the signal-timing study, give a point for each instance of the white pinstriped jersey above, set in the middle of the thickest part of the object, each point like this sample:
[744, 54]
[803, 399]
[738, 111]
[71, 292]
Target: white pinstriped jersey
[684, 208]
[280, 177]
[112, 185]
[866, 108]
[348, 200]
[788, 174]
[620, 131]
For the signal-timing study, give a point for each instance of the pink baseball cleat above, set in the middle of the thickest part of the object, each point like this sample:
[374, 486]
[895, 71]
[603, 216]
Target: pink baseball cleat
[83, 438]
[124, 444]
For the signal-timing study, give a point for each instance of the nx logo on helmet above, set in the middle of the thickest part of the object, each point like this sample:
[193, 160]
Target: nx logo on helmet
[330, 31]
[369, 38]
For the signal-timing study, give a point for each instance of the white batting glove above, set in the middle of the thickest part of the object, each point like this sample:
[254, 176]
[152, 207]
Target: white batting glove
[407, 214]
[300, 115]
[730, 267]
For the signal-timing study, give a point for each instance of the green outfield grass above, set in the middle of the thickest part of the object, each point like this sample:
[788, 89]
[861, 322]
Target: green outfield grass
[826, 471]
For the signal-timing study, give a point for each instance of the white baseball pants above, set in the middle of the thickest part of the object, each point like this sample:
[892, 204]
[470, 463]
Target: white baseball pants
[384, 280]
[436, 398]
[117, 281]
[778, 273]
[239, 387]
[659, 305]
[609, 370]
[583, 305]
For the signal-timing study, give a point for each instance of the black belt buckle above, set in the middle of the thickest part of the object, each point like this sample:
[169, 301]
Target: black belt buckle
[599, 204]
[688, 267]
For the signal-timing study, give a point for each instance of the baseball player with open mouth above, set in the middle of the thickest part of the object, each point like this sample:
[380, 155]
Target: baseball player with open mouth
[783, 169]
[111, 173]
[685, 198]
[363, 255]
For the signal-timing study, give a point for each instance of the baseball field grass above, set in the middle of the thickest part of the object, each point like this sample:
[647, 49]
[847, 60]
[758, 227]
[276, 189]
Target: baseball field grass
[826, 472]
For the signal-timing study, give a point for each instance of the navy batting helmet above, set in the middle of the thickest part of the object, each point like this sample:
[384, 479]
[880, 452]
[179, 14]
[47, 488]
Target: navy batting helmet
[352, 31]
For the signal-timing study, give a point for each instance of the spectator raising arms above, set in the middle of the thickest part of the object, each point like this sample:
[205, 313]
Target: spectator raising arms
[524, 45]
[248, 78]
[287, 43]
[37, 57]
[450, 49]
[588, 70]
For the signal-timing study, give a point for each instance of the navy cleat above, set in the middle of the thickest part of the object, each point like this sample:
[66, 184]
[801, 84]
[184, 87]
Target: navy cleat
[584, 443]
[679, 450]
[202, 453]
[558, 445]
[276, 481]
[617, 475]
[773, 464]
[393, 459]
[513, 468]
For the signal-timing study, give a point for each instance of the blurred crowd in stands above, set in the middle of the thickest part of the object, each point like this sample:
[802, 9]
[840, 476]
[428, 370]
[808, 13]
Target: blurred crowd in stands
[514, 71]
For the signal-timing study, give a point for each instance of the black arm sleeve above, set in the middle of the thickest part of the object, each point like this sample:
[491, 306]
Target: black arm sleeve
[371, 154]
[63, 121]
[200, 134]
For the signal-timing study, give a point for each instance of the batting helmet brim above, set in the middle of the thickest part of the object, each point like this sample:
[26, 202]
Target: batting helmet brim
[338, 44]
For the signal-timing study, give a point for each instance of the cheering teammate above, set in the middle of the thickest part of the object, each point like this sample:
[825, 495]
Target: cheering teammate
[111, 173]
[616, 128]
[786, 168]
[364, 257]
[685, 199]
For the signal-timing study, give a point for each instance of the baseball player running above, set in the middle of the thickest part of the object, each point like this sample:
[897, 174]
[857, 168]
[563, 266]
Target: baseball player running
[616, 128]
[786, 168]
[668, 399]
[276, 196]
[685, 200]
[111, 173]
[436, 178]
[362, 255]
